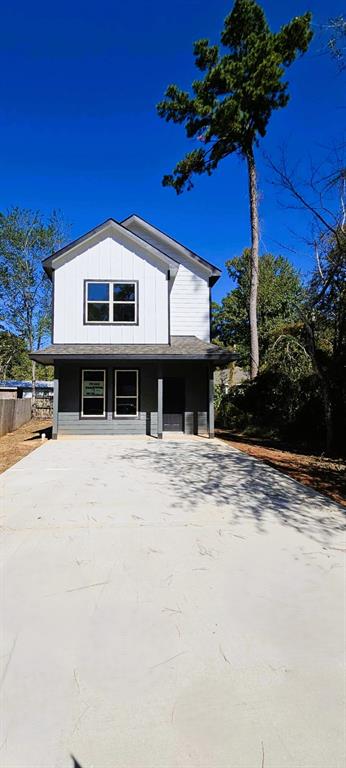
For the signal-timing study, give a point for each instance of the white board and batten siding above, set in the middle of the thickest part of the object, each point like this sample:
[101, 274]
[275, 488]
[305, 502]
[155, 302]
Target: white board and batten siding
[110, 260]
[189, 296]
[190, 305]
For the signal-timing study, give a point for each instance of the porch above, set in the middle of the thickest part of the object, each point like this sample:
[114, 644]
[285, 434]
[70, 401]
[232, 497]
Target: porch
[114, 397]
[134, 389]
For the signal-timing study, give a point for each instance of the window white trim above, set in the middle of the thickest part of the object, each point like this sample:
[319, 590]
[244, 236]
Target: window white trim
[126, 397]
[93, 397]
[111, 302]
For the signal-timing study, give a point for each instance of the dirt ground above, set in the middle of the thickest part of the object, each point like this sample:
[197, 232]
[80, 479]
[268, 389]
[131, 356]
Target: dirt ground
[328, 476]
[15, 445]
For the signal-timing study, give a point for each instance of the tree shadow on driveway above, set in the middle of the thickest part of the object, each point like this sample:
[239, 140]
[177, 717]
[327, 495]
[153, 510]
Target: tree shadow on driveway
[75, 763]
[197, 473]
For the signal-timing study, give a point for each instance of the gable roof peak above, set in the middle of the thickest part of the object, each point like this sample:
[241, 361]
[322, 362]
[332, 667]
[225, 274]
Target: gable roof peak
[51, 262]
[214, 272]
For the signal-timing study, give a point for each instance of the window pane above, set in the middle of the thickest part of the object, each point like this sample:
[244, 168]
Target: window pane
[124, 291]
[126, 406]
[98, 291]
[93, 406]
[93, 384]
[124, 313]
[98, 312]
[126, 383]
[91, 375]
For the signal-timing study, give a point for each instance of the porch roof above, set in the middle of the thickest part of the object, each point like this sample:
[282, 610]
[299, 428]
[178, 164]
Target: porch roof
[180, 348]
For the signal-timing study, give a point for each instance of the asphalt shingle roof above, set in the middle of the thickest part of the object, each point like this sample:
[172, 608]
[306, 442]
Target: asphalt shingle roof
[181, 347]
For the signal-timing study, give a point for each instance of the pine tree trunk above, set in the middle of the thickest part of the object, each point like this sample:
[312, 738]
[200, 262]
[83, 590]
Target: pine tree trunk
[254, 352]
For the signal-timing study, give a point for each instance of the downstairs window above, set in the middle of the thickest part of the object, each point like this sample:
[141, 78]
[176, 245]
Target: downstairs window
[126, 393]
[93, 393]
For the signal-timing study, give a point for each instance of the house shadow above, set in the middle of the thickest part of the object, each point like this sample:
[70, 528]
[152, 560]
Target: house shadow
[38, 434]
[247, 488]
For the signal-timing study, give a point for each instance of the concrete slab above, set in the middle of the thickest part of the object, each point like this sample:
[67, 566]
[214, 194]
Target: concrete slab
[168, 605]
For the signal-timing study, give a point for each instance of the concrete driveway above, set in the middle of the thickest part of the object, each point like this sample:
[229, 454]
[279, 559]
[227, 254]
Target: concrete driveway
[168, 605]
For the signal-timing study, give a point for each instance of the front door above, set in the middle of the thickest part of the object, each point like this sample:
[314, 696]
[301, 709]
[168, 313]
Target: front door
[173, 404]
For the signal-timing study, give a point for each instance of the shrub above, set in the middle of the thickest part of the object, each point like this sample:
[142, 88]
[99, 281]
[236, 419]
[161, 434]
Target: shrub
[275, 405]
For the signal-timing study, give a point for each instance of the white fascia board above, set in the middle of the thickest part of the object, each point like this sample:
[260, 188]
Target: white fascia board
[60, 257]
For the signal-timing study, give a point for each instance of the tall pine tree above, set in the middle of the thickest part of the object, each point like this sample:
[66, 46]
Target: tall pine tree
[231, 105]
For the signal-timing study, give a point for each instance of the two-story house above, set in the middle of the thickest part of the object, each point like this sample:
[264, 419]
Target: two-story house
[131, 334]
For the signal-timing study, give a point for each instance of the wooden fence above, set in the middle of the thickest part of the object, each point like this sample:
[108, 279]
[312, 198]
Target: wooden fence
[14, 413]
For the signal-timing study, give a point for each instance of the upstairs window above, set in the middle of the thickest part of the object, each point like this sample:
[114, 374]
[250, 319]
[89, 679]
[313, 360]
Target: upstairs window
[124, 302]
[111, 302]
[98, 302]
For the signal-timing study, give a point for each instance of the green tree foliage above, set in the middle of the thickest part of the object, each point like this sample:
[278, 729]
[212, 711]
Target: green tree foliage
[15, 362]
[231, 105]
[322, 330]
[26, 238]
[325, 332]
[276, 406]
[13, 356]
[300, 392]
[280, 294]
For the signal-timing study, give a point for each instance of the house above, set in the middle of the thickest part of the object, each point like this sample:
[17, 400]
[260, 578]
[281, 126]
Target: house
[131, 334]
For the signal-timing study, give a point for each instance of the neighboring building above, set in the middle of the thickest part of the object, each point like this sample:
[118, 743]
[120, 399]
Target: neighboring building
[8, 391]
[231, 376]
[13, 388]
[131, 334]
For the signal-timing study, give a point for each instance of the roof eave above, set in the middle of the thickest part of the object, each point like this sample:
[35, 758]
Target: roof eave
[48, 270]
[217, 359]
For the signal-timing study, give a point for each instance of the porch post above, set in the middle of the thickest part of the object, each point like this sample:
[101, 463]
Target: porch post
[159, 404]
[55, 407]
[211, 402]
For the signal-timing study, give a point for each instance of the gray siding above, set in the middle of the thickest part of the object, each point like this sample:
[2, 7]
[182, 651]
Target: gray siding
[71, 424]
[196, 393]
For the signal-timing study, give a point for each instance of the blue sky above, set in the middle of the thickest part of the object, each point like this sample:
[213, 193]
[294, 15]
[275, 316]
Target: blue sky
[79, 130]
